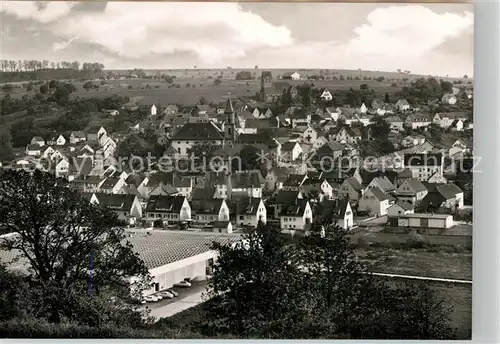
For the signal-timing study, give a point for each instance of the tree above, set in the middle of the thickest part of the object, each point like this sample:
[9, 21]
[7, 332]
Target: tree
[6, 151]
[313, 287]
[44, 89]
[202, 101]
[387, 99]
[363, 87]
[361, 305]
[250, 157]
[57, 233]
[254, 283]
[244, 75]
[217, 82]
[52, 84]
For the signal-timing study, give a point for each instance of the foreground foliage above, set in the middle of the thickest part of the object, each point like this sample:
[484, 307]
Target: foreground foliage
[316, 289]
[62, 238]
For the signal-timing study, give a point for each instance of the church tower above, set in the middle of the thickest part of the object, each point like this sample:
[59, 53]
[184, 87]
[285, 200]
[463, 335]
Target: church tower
[229, 125]
[262, 94]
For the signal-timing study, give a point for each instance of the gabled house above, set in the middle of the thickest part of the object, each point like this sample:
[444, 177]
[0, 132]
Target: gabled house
[437, 178]
[290, 151]
[410, 141]
[375, 202]
[261, 113]
[448, 197]
[320, 142]
[402, 105]
[290, 76]
[418, 120]
[276, 176]
[246, 184]
[424, 165]
[326, 95]
[210, 211]
[192, 134]
[299, 118]
[126, 207]
[309, 136]
[77, 137]
[250, 212]
[112, 185]
[395, 123]
[363, 109]
[33, 150]
[339, 211]
[400, 208]
[169, 209]
[283, 198]
[57, 140]
[294, 182]
[62, 167]
[296, 216]
[449, 99]
[153, 110]
[222, 227]
[383, 183]
[411, 191]
[329, 152]
[94, 133]
[446, 119]
[334, 113]
[171, 109]
[351, 189]
[346, 135]
[38, 140]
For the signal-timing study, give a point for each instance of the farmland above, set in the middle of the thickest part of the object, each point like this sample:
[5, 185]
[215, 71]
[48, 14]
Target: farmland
[189, 85]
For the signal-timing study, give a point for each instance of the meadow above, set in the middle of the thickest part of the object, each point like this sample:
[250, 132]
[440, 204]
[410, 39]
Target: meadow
[194, 84]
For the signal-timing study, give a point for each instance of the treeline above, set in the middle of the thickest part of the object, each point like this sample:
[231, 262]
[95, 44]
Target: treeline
[25, 70]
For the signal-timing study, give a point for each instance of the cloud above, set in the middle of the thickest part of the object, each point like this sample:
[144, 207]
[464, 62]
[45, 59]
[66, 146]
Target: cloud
[409, 30]
[406, 37]
[48, 12]
[215, 34]
[213, 31]
[57, 46]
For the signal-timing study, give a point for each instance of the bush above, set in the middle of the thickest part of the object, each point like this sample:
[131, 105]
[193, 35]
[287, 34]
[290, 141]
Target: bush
[35, 328]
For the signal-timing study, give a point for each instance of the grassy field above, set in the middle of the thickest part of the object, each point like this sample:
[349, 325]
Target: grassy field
[161, 93]
[438, 262]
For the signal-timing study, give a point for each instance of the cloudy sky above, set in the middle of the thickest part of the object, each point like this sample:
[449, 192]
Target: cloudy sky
[432, 39]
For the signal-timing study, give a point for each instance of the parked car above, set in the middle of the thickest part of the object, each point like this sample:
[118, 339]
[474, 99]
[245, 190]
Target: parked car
[151, 298]
[182, 284]
[173, 292]
[166, 294]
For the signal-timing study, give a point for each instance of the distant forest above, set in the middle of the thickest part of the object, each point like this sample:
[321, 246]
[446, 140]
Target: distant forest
[28, 70]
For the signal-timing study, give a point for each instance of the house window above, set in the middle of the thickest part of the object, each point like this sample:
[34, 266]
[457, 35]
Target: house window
[242, 217]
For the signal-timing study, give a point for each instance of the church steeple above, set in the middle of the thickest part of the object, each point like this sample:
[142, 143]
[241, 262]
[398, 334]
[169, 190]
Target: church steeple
[262, 93]
[229, 129]
[229, 109]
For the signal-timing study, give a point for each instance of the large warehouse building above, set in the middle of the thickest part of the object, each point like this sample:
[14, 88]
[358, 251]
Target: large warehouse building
[171, 256]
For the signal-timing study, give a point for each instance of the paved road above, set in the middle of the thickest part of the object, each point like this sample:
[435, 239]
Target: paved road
[177, 306]
[188, 297]
[423, 278]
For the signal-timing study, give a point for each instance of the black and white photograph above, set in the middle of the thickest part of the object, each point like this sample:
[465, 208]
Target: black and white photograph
[236, 170]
